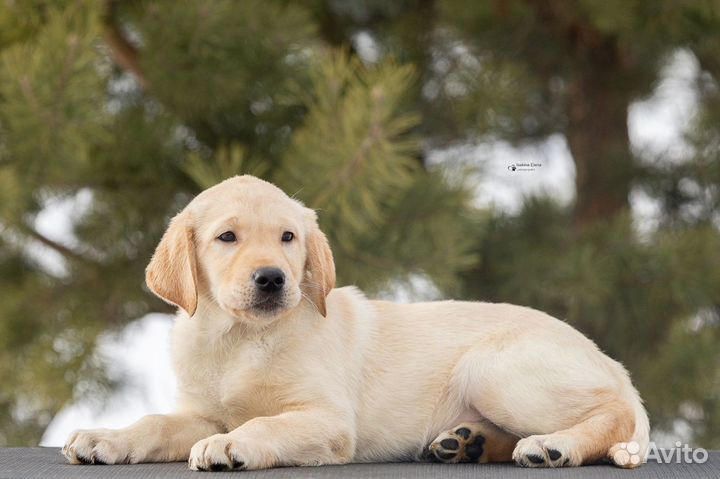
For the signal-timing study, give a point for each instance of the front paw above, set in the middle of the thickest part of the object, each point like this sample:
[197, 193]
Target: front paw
[220, 452]
[97, 446]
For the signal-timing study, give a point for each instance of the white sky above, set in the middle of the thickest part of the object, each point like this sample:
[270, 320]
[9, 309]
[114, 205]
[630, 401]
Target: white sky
[141, 352]
[141, 355]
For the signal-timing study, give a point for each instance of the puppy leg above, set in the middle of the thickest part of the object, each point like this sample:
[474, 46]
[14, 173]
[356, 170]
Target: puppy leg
[571, 403]
[155, 438]
[294, 438]
[477, 442]
[585, 443]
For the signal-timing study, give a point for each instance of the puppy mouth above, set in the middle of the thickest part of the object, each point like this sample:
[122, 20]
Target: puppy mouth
[267, 304]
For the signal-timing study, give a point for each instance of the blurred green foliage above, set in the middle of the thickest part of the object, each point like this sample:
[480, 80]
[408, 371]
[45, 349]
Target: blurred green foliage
[138, 105]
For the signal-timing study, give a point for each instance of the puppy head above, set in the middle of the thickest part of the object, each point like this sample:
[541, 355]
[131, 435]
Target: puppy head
[248, 247]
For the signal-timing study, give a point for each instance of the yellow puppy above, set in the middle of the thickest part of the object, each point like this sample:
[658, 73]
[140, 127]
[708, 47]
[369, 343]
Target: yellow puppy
[277, 368]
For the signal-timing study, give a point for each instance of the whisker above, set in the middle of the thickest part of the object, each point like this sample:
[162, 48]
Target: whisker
[310, 301]
[293, 196]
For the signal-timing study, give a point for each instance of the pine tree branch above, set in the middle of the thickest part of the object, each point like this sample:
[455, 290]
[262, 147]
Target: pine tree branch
[60, 248]
[124, 54]
[351, 167]
[29, 93]
[66, 73]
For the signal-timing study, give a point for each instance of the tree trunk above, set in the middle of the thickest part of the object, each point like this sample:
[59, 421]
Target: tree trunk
[597, 104]
[598, 138]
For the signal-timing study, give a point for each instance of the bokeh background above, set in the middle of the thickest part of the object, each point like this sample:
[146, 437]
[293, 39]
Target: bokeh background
[552, 153]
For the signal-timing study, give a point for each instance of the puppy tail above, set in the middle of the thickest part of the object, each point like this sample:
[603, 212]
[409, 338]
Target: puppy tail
[634, 452]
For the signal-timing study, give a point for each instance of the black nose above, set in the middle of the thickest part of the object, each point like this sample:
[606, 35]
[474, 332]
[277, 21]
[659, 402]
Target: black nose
[269, 279]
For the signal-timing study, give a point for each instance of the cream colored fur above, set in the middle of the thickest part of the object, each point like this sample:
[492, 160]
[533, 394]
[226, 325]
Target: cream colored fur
[370, 380]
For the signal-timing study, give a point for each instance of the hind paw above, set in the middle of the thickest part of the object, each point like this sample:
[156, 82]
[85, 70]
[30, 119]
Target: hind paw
[550, 450]
[463, 443]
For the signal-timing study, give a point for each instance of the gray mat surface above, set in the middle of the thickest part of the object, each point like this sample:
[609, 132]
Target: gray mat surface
[48, 463]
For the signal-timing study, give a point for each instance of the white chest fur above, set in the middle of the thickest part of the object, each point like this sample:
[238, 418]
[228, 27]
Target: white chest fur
[224, 371]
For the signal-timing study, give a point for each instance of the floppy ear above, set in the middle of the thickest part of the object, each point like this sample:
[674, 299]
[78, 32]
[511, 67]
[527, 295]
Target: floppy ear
[172, 274]
[319, 268]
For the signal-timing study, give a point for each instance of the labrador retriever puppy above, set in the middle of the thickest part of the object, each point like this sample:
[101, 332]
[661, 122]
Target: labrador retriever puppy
[275, 367]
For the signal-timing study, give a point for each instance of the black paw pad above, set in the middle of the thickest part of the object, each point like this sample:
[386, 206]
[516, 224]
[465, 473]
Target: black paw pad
[99, 461]
[445, 455]
[463, 432]
[218, 467]
[474, 450]
[238, 464]
[428, 455]
[535, 459]
[450, 444]
[554, 454]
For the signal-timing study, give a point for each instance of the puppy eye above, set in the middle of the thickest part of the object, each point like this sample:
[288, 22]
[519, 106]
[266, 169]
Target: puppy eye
[287, 236]
[227, 237]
